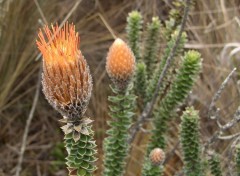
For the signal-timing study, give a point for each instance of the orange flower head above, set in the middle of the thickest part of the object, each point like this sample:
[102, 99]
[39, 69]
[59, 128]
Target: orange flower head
[157, 156]
[66, 79]
[120, 64]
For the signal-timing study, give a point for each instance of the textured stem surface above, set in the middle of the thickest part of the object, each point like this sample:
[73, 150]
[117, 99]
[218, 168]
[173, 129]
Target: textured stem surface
[81, 149]
[237, 160]
[115, 145]
[214, 163]
[134, 27]
[151, 46]
[190, 142]
[140, 84]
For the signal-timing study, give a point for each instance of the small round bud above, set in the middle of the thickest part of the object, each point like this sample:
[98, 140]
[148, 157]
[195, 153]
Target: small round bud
[157, 156]
[120, 64]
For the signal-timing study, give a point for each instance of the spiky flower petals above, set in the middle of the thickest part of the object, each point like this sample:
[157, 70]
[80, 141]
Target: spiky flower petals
[120, 64]
[157, 156]
[66, 79]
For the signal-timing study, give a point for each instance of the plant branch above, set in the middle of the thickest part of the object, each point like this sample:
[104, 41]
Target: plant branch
[229, 137]
[150, 105]
[211, 112]
[218, 133]
[28, 123]
[40, 11]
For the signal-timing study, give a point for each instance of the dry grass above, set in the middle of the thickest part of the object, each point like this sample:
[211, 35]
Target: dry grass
[211, 25]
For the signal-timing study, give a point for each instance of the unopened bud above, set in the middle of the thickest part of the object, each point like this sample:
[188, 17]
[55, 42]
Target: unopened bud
[157, 156]
[120, 64]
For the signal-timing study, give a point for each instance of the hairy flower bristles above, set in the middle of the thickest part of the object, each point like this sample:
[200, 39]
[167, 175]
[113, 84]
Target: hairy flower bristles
[157, 156]
[66, 79]
[120, 64]
[67, 85]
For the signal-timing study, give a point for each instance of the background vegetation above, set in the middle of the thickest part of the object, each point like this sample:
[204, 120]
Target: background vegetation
[213, 28]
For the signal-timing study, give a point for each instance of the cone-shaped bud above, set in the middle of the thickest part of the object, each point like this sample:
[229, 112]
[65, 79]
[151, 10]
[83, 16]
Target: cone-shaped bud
[66, 79]
[120, 64]
[157, 156]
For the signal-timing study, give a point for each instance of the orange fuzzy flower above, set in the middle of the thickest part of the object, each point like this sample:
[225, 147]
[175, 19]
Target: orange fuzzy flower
[120, 64]
[66, 79]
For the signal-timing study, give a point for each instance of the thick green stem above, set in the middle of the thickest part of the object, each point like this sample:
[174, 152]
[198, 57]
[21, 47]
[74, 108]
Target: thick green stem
[81, 153]
[237, 160]
[140, 84]
[214, 163]
[190, 142]
[115, 145]
[134, 27]
[151, 46]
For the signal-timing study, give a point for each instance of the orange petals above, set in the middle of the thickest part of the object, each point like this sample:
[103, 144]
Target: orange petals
[62, 44]
[67, 83]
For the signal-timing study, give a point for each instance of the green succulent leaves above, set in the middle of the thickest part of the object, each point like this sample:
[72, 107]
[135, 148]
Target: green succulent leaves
[154, 80]
[214, 163]
[151, 46]
[134, 27]
[140, 84]
[81, 153]
[237, 159]
[190, 142]
[151, 170]
[179, 90]
[115, 145]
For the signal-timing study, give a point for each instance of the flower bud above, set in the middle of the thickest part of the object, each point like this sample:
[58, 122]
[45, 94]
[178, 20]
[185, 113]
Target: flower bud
[120, 64]
[157, 156]
[66, 79]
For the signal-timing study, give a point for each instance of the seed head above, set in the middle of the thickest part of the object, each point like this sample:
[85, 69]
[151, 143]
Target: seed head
[120, 64]
[66, 79]
[157, 156]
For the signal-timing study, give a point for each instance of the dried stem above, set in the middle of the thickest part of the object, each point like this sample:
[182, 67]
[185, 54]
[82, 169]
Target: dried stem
[219, 132]
[107, 25]
[171, 153]
[28, 123]
[40, 11]
[229, 137]
[211, 112]
[235, 120]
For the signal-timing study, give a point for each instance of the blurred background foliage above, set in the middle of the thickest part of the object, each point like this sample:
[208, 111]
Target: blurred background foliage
[213, 28]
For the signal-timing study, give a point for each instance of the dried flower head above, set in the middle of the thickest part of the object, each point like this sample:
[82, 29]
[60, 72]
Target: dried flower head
[157, 156]
[120, 64]
[66, 79]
